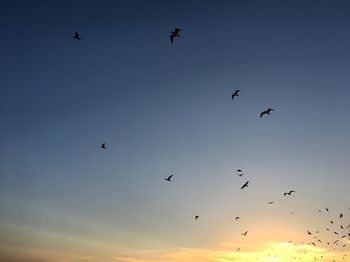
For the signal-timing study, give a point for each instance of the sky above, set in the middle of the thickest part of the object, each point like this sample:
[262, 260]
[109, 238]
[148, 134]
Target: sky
[164, 109]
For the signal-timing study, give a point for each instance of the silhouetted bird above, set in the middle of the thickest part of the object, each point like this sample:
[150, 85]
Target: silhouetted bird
[174, 34]
[327, 209]
[327, 229]
[341, 226]
[196, 217]
[312, 243]
[245, 233]
[245, 184]
[335, 233]
[308, 232]
[235, 94]
[289, 193]
[168, 178]
[76, 36]
[270, 203]
[266, 112]
[331, 222]
[319, 211]
[103, 146]
[341, 215]
[238, 249]
[237, 218]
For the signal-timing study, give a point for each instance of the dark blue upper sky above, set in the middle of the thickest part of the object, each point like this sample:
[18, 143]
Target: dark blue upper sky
[163, 107]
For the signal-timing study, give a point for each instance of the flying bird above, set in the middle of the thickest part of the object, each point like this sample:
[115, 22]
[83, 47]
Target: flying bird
[174, 34]
[331, 222]
[341, 215]
[235, 94]
[245, 184]
[266, 112]
[327, 209]
[308, 232]
[168, 178]
[196, 217]
[76, 36]
[311, 243]
[270, 203]
[103, 146]
[245, 233]
[237, 218]
[289, 193]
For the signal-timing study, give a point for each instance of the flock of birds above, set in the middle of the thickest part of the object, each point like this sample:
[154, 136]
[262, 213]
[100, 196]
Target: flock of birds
[332, 241]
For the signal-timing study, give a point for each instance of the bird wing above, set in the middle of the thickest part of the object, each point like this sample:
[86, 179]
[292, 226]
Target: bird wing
[172, 38]
[262, 113]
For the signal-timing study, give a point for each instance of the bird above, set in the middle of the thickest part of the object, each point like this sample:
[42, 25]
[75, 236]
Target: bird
[266, 112]
[196, 217]
[331, 222]
[174, 34]
[270, 203]
[235, 93]
[319, 210]
[76, 36]
[168, 178]
[312, 243]
[341, 226]
[335, 233]
[238, 249]
[308, 232]
[103, 146]
[327, 209]
[245, 184]
[341, 215]
[289, 193]
[237, 218]
[245, 233]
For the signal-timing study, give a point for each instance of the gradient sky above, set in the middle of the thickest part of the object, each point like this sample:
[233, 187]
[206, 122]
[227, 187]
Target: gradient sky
[166, 108]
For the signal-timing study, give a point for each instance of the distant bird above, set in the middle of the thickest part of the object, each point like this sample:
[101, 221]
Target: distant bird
[103, 146]
[266, 112]
[341, 226]
[239, 170]
[196, 217]
[270, 203]
[245, 233]
[317, 232]
[292, 213]
[238, 249]
[327, 209]
[174, 34]
[343, 236]
[331, 222]
[168, 178]
[335, 233]
[327, 229]
[289, 193]
[245, 184]
[235, 93]
[76, 36]
[237, 218]
[341, 215]
[312, 243]
[319, 210]
[308, 232]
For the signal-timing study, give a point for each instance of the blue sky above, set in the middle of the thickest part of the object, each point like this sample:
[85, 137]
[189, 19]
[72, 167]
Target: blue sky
[164, 108]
